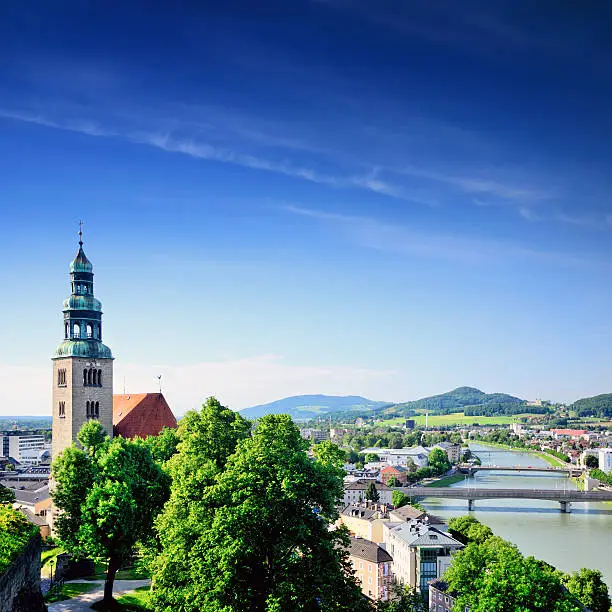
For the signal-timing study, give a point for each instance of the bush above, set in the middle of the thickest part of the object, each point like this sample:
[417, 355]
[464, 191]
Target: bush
[15, 533]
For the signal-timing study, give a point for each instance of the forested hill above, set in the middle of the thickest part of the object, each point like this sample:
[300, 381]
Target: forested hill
[599, 406]
[465, 399]
[304, 407]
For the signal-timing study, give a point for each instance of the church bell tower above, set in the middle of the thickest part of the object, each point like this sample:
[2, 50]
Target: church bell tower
[82, 364]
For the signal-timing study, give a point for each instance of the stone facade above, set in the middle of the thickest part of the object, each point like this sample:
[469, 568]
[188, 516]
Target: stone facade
[20, 583]
[74, 395]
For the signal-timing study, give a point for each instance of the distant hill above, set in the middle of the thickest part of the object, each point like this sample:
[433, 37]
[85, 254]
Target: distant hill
[304, 407]
[599, 406]
[470, 400]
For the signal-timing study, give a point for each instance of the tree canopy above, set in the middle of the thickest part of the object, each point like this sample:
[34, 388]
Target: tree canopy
[588, 586]
[7, 496]
[246, 526]
[371, 492]
[438, 461]
[108, 494]
[15, 533]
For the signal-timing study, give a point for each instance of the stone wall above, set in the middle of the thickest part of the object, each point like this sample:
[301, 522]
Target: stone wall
[20, 583]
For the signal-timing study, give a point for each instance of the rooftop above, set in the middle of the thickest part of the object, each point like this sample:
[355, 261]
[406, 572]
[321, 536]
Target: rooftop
[418, 533]
[369, 551]
[141, 415]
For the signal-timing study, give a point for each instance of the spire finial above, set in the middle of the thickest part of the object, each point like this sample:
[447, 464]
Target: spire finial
[80, 233]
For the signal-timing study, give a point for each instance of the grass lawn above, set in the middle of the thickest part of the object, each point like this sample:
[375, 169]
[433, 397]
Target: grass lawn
[131, 574]
[447, 481]
[49, 555]
[456, 418]
[68, 591]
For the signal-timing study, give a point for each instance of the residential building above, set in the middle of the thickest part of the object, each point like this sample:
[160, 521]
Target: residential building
[365, 520]
[416, 455]
[315, 435]
[372, 565]
[409, 424]
[574, 434]
[26, 449]
[440, 600]
[141, 415]
[354, 492]
[605, 460]
[398, 472]
[420, 552]
[453, 451]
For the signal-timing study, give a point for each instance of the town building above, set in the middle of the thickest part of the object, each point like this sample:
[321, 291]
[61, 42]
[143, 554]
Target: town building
[354, 492]
[605, 460]
[416, 455]
[398, 472]
[574, 434]
[364, 520]
[453, 451]
[316, 435]
[372, 565]
[440, 600]
[27, 450]
[420, 551]
[82, 364]
[141, 415]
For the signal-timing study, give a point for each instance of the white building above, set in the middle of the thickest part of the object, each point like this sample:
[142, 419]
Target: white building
[355, 492]
[420, 552]
[401, 456]
[605, 460]
[26, 449]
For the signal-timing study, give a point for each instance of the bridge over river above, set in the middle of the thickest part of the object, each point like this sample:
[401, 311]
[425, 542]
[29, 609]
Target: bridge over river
[563, 497]
[472, 469]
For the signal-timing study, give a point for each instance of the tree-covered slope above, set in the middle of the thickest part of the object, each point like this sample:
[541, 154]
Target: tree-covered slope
[303, 407]
[599, 406]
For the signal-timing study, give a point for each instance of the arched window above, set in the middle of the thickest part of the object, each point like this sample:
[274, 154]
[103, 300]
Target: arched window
[89, 378]
[62, 410]
[97, 410]
[87, 409]
[84, 378]
[89, 330]
[76, 331]
[66, 330]
[95, 378]
[99, 378]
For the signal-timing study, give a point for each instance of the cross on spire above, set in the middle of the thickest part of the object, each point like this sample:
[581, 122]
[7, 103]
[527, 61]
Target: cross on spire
[80, 233]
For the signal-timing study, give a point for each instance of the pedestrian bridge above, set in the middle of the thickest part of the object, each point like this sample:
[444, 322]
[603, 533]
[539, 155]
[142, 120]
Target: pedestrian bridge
[562, 496]
[472, 469]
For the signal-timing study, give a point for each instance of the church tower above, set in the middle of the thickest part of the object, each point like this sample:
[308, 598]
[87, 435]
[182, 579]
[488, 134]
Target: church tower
[82, 365]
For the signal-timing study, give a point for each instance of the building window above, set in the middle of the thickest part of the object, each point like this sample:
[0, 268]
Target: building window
[89, 330]
[97, 410]
[99, 378]
[62, 410]
[61, 377]
[76, 331]
[84, 378]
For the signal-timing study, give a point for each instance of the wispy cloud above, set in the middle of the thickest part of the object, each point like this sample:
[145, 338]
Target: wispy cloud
[416, 242]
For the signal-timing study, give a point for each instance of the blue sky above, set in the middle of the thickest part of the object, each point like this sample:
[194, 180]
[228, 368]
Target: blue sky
[339, 196]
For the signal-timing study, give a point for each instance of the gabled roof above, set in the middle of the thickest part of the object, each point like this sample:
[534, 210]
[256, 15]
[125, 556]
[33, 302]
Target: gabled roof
[393, 468]
[369, 551]
[415, 533]
[363, 485]
[141, 415]
[406, 513]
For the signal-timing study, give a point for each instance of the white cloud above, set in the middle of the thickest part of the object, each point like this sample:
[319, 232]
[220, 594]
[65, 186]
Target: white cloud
[239, 383]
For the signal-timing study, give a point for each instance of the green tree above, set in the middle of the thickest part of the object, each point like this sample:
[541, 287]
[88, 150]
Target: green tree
[591, 461]
[108, 495]
[399, 499]
[371, 457]
[438, 461]
[468, 529]
[7, 496]
[330, 453]
[393, 482]
[403, 599]
[254, 535]
[589, 588]
[371, 493]
[353, 457]
[163, 445]
[495, 576]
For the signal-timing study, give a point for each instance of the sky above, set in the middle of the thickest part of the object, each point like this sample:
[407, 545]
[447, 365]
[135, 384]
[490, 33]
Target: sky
[389, 198]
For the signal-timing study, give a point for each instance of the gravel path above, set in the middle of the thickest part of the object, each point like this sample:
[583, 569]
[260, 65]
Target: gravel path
[83, 602]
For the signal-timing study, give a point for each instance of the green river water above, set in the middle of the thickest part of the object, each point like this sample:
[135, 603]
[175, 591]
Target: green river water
[582, 538]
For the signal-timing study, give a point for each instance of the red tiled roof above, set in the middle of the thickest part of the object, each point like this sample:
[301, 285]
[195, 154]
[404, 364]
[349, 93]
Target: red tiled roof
[141, 415]
[569, 432]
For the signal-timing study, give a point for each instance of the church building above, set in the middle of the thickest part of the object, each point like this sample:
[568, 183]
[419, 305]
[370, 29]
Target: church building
[83, 373]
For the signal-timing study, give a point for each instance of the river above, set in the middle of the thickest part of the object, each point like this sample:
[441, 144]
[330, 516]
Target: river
[582, 538]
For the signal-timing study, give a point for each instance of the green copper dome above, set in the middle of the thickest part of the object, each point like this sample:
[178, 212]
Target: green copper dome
[83, 348]
[82, 302]
[80, 263]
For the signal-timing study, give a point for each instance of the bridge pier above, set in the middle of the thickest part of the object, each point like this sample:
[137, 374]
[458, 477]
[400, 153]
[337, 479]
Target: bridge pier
[470, 505]
[566, 507]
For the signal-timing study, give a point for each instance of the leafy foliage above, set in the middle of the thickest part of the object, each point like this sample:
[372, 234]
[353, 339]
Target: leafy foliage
[7, 496]
[601, 476]
[404, 599]
[599, 406]
[557, 454]
[393, 482]
[591, 461]
[438, 461]
[589, 588]
[372, 493]
[15, 533]
[493, 575]
[108, 495]
[399, 499]
[371, 457]
[247, 529]
[468, 529]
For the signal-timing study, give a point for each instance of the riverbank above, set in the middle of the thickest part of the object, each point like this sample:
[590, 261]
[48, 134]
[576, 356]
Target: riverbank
[447, 481]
